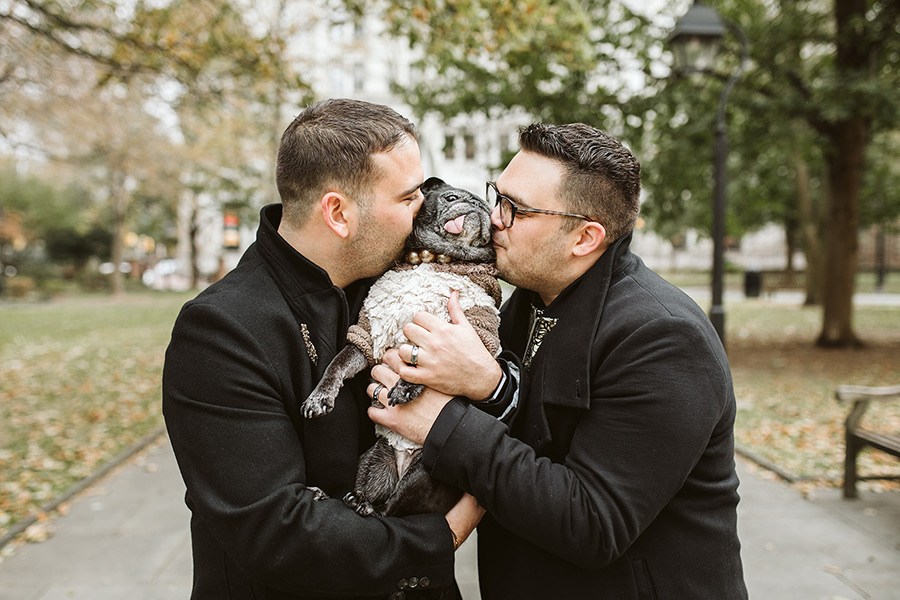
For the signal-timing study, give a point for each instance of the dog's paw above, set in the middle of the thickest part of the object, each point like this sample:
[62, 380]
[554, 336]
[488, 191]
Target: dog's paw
[365, 509]
[318, 404]
[404, 392]
[318, 494]
[362, 507]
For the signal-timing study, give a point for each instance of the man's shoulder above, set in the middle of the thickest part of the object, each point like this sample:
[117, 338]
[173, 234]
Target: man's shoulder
[643, 300]
[247, 296]
[248, 284]
[649, 293]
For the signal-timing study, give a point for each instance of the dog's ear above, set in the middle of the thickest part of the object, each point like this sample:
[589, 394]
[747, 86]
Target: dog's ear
[430, 184]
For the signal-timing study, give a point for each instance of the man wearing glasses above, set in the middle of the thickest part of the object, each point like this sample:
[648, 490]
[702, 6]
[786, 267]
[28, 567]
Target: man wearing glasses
[616, 476]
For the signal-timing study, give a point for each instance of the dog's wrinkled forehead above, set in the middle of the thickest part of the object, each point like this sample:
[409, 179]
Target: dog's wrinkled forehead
[441, 195]
[453, 221]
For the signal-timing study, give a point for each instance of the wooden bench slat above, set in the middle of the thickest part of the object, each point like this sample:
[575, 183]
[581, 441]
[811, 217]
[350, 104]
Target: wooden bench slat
[885, 443]
[783, 280]
[856, 437]
[852, 393]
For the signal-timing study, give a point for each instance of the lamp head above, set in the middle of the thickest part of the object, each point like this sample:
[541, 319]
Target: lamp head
[696, 38]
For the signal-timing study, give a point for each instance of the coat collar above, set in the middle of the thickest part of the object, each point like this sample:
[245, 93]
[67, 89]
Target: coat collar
[304, 284]
[562, 364]
[295, 274]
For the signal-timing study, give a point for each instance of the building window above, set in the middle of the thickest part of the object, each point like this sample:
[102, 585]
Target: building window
[469, 141]
[449, 146]
[506, 144]
[336, 79]
[359, 77]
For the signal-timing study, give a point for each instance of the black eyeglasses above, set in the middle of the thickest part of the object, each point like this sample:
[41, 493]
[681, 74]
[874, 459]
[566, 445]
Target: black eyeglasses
[509, 209]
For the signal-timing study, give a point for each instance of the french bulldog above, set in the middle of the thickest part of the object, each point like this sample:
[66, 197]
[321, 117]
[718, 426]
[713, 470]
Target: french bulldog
[449, 249]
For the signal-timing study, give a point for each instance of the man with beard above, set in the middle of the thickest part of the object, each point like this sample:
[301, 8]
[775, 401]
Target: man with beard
[616, 477]
[247, 351]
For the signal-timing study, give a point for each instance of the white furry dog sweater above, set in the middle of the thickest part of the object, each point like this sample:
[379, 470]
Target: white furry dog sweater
[399, 294]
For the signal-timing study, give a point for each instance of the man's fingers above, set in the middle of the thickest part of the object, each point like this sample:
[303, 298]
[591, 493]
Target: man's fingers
[383, 374]
[457, 315]
[430, 322]
[416, 333]
[397, 359]
[406, 351]
[393, 359]
[427, 321]
[412, 420]
[381, 416]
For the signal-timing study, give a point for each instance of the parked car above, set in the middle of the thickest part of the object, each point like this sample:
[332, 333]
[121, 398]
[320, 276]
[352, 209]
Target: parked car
[166, 275]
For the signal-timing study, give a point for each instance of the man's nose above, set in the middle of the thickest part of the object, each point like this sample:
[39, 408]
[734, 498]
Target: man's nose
[495, 218]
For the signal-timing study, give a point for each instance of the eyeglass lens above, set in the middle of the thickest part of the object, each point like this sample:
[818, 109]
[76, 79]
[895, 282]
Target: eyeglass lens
[507, 208]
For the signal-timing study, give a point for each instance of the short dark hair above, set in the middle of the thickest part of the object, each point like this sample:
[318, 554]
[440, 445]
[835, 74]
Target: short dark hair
[331, 143]
[602, 177]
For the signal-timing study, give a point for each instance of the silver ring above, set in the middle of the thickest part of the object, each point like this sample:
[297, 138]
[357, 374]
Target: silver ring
[414, 355]
[375, 393]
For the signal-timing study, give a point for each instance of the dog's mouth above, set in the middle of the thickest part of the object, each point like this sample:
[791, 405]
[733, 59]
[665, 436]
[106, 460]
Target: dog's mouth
[455, 226]
[471, 226]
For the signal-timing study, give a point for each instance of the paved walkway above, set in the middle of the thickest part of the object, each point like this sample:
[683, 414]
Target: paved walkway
[127, 538]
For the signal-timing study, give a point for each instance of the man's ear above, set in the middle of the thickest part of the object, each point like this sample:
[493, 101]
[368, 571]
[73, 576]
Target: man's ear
[337, 213]
[591, 237]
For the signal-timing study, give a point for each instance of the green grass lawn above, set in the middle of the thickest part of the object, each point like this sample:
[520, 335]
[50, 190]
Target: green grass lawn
[785, 386]
[80, 381]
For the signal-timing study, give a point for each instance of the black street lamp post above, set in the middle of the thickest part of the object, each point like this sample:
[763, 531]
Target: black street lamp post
[695, 44]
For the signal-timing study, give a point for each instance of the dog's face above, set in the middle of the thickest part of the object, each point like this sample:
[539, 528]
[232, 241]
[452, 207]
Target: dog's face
[454, 222]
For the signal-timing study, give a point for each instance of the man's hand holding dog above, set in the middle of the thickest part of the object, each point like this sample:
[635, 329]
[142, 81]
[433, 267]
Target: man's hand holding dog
[451, 357]
[412, 420]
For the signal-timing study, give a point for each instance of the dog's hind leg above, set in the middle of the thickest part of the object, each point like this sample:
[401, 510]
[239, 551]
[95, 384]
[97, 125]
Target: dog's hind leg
[376, 478]
[318, 494]
[417, 492]
[348, 362]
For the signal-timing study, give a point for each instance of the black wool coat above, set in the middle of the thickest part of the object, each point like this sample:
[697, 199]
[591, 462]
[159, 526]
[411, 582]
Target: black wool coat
[243, 356]
[616, 478]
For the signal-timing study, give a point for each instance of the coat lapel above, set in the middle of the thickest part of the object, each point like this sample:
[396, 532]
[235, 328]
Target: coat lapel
[322, 314]
[560, 370]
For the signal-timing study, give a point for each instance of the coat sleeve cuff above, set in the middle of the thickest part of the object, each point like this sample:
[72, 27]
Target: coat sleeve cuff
[444, 425]
[505, 400]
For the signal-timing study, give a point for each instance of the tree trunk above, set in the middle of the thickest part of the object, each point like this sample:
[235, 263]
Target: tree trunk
[280, 85]
[117, 198]
[790, 239]
[845, 168]
[809, 232]
[880, 259]
[847, 140]
[193, 233]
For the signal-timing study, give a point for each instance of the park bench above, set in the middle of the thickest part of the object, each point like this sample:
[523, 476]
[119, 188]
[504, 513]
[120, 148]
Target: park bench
[777, 281]
[857, 437]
